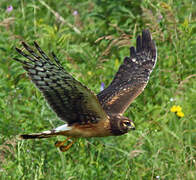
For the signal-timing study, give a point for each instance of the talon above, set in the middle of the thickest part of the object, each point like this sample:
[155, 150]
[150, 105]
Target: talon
[61, 143]
[65, 148]
[58, 143]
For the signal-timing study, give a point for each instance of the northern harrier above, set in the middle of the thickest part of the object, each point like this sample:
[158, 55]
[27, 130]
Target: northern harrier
[85, 114]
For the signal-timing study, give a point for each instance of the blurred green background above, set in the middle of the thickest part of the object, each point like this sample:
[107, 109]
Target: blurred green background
[91, 39]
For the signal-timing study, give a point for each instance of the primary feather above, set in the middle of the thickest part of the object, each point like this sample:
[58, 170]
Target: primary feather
[132, 76]
[72, 101]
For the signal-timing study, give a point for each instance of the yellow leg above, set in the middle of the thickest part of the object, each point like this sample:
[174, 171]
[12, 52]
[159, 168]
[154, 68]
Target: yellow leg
[61, 143]
[65, 148]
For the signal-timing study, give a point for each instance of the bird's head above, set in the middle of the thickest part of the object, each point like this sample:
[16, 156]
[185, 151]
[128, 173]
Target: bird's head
[121, 125]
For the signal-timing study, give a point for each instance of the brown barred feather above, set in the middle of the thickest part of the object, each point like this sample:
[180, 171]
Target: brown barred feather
[132, 76]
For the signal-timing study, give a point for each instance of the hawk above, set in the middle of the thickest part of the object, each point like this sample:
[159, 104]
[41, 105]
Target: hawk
[84, 113]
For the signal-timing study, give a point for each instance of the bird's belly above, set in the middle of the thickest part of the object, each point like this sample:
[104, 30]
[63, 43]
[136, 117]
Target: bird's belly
[87, 131]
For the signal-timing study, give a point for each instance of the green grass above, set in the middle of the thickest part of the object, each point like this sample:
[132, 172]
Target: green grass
[163, 144]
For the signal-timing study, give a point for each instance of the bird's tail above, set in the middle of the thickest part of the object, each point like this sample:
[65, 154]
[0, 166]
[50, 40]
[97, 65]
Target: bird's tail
[38, 135]
[46, 134]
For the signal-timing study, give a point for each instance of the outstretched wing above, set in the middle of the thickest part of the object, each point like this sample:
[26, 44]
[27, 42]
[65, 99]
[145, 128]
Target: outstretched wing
[132, 76]
[72, 102]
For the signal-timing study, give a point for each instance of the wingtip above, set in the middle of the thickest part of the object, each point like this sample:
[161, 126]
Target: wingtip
[146, 36]
[35, 44]
[16, 59]
[24, 44]
[147, 41]
[18, 50]
[132, 51]
[19, 137]
[144, 42]
[146, 31]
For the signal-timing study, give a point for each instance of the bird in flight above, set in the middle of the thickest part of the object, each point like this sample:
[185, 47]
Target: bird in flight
[86, 114]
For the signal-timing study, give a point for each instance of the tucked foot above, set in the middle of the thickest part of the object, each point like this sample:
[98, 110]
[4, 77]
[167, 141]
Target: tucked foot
[65, 148]
[61, 143]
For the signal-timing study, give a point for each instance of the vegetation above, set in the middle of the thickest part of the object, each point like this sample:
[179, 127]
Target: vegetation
[91, 38]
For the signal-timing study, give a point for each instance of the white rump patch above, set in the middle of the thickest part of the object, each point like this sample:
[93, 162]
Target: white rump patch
[46, 132]
[64, 127]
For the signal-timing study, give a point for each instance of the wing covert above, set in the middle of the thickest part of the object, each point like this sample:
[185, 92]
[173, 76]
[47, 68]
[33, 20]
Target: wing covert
[72, 102]
[132, 76]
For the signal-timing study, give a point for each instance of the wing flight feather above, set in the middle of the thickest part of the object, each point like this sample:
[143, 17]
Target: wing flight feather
[132, 76]
[72, 101]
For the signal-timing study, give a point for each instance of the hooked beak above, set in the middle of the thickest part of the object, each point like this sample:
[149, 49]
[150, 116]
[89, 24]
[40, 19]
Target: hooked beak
[132, 126]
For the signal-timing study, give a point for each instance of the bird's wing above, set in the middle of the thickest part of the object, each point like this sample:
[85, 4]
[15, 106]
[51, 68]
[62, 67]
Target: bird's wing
[72, 102]
[132, 76]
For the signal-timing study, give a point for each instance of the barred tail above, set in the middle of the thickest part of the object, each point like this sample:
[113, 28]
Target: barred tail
[37, 135]
[46, 134]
